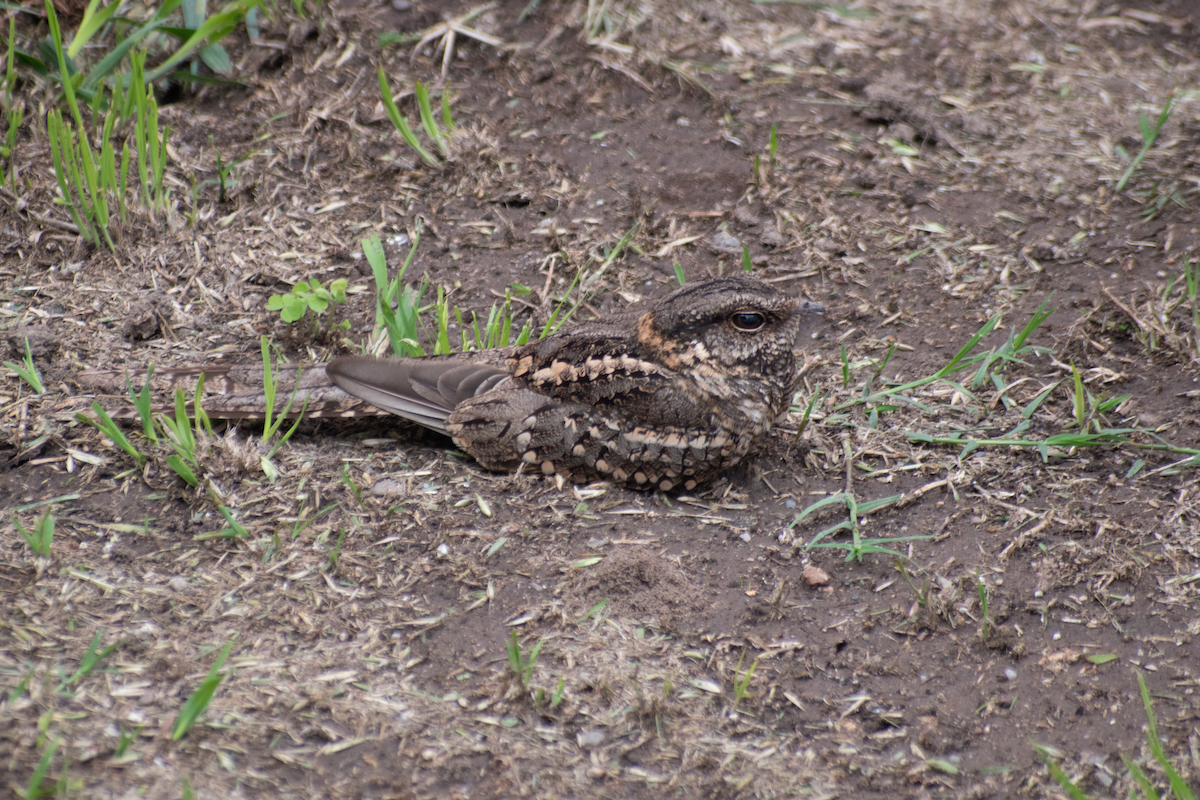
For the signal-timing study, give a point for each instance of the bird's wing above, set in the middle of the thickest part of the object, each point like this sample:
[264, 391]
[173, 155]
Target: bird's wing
[424, 390]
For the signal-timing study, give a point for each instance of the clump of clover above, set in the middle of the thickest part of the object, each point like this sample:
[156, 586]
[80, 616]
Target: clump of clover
[311, 295]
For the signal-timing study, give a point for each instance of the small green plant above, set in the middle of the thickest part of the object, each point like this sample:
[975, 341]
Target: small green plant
[104, 423]
[679, 273]
[1088, 408]
[1149, 137]
[91, 658]
[438, 133]
[192, 36]
[125, 739]
[235, 529]
[183, 432]
[586, 284]
[149, 145]
[813, 402]
[301, 522]
[921, 593]
[90, 183]
[772, 146]
[764, 171]
[180, 435]
[200, 698]
[86, 185]
[310, 295]
[227, 176]
[858, 546]
[16, 112]
[27, 371]
[1191, 274]
[497, 329]
[271, 423]
[1158, 324]
[1179, 788]
[348, 481]
[41, 537]
[91, 186]
[520, 665]
[334, 551]
[396, 305]
[35, 788]
[143, 404]
[398, 311]
[741, 681]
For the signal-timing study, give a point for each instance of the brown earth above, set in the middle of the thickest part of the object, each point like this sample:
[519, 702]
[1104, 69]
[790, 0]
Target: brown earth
[937, 163]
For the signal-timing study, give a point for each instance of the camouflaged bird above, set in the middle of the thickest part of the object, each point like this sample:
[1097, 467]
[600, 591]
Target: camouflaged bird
[666, 397]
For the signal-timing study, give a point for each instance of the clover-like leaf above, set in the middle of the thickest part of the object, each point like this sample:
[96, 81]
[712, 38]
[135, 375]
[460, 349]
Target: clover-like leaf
[293, 309]
[338, 290]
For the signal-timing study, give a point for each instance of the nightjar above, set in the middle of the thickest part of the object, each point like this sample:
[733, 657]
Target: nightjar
[668, 396]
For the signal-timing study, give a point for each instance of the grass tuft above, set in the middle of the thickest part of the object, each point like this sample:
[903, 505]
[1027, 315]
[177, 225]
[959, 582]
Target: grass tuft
[200, 698]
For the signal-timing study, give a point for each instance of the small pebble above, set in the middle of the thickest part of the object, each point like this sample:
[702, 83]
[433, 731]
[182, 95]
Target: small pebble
[815, 576]
[723, 242]
[590, 738]
[388, 488]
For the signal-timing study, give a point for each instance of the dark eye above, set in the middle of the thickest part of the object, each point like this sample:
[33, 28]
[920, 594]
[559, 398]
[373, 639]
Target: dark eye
[748, 321]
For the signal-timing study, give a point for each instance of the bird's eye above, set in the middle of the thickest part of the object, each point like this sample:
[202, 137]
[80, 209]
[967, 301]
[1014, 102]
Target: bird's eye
[748, 321]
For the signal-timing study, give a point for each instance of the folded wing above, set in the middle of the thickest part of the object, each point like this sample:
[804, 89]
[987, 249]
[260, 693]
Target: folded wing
[423, 390]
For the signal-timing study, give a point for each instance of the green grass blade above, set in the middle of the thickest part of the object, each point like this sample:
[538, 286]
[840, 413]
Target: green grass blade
[1140, 778]
[1149, 137]
[39, 774]
[213, 29]
[92, 22]
[92, 657]
[1073, 791]
[109, 428]
[199, 700]
[1178, 787]
[966, 349]
[105, 66]
[839, 497]
[447, 121]
[399, 122]
[427, 120]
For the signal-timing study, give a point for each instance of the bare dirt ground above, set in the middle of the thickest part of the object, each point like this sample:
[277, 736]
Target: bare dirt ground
[937, 163]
